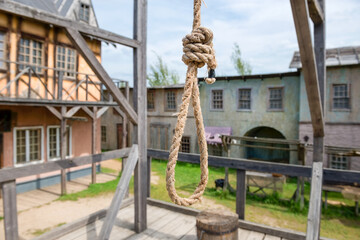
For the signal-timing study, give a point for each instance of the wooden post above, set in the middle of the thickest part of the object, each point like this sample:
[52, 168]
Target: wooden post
[119, 194]
[87, 86]
[60, 85]
[29, 83]
[139, 98]
[93, 145]
[63, 150]
[149, 176]
[10, 210]
[240, 193]
[123, 165]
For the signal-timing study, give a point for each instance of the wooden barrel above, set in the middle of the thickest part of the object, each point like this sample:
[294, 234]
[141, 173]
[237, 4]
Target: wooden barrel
[216, 225]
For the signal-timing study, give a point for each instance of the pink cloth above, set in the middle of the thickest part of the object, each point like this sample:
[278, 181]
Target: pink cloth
[212, 134]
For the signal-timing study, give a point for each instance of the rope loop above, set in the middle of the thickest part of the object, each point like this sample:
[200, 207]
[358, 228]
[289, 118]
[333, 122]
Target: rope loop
[198, 51]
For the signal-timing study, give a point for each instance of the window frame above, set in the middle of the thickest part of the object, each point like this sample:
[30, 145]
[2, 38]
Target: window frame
[58, 142]
[212, 98]
[167, 109]
[27, 142]
[238, 100]
[82, 12]
[153, 98]
[269, 88]
[189, 143]
[35, 67]
[330, 163]
[66, 73]
[348, 90]
[103, 140]
[4, 50]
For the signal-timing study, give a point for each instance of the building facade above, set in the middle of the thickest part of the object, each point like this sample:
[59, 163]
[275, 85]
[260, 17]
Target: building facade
[48, 93]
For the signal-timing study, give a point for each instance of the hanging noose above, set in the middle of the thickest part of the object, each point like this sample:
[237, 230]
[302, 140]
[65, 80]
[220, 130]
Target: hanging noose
[198, 51]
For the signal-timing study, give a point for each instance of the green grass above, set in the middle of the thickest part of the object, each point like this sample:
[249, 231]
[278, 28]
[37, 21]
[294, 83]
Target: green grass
[338, 222]
[1, 218]
[38, 232]
[107, 170]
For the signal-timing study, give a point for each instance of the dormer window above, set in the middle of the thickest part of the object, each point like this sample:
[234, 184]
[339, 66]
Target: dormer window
[84, 12]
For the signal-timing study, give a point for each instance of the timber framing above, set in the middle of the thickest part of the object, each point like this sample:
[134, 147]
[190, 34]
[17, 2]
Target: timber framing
[41, 16]
[316, 12]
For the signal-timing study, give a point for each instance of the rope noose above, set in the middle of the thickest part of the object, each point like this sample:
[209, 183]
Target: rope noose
[198, 51]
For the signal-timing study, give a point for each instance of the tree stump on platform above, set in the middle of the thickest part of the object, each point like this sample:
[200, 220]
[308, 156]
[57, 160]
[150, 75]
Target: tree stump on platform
[216, 225]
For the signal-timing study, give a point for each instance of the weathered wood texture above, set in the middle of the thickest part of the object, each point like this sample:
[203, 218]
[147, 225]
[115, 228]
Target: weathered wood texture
[240, 193]
[300, 15]
[10, 211]
[81, 46]
[45, 17]
[12, 173]
[139, 100]
[217, 225]
[314, 215]
[119, 193]
[45, 102]
[70, 227]
[93, 143]
[63, 137]
[317, 14]
[252, 165]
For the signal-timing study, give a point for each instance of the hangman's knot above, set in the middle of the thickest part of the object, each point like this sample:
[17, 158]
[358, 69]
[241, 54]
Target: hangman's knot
[198, 49]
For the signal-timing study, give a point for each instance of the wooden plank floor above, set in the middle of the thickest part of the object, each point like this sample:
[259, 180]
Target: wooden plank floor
[162, 224]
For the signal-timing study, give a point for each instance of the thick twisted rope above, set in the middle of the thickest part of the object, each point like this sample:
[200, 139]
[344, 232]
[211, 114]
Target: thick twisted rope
[198, 51]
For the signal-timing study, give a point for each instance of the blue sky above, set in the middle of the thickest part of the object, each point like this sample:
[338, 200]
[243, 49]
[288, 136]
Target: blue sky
[264, 30]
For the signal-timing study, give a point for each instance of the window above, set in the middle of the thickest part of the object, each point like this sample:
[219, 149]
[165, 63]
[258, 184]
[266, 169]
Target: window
[170, 101]
[103, 133]
[66, 60]
[84, 12]
[150, 101]
[244, 99]
[185, 144]
[2, 50]
[31, 52]
[276, 98]
[54, 142]
[341, 96]
[217, 99]
[215, 150]
[339, 162]
[27, 145]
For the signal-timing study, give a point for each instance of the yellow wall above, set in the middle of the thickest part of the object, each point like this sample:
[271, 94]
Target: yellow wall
[50, 36]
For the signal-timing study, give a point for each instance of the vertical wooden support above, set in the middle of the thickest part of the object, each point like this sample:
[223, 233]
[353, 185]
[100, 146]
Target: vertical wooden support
[29, 83]
[123, 165]
[10, 211]
[63, 151]
[119, 194]
[60, 85]
[87, 86]
[139, 97]
[93, 145]
[240, 193]
[149, 176]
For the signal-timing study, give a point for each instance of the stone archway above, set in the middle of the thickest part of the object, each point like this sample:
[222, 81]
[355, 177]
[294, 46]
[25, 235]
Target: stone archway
[272, 155]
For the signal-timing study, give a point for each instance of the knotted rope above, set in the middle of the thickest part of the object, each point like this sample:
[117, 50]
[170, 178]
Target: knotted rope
[198, 51]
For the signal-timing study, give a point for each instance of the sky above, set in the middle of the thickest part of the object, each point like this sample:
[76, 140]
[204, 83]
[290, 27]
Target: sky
[264, 30]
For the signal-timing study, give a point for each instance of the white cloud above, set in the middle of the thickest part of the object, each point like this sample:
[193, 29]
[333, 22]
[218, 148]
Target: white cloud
[264, 30]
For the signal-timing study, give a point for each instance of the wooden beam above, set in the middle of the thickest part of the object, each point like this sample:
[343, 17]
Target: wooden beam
[63, 148]
[10, 210]
[240, 193]
[45, 17]
[314, 215]
[55, 103]
[100, 112]
[79, 42]
[55, 112]
[72, 111]
[262, 166]
[316, 12]
[93, 144]
[12, 173]
[139, 100]
[300, 15]
[119, 193]
[88, 112]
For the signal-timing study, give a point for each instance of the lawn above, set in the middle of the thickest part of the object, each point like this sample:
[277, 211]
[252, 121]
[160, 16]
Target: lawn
[338, 221]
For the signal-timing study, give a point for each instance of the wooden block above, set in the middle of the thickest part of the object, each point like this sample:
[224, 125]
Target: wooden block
[216, 225]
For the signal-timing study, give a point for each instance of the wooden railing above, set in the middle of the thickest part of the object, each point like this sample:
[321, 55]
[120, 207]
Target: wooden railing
[55, 84]
[8, 178]
[243, 165]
